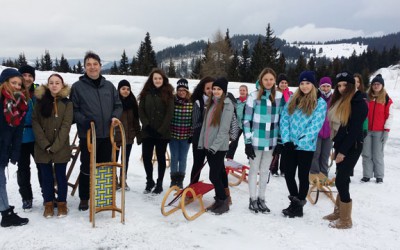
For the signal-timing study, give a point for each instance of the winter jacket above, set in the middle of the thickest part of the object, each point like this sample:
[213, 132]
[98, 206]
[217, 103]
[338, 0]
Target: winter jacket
[261, 120]
[131, 126]
[155, 113]
[216, 138]
[52, 131]
[380, 115]
[181, 124]
[96, 103]
[197, 118]
[240, 107]
[27, 134]
[325, 131]
[10, 139]
[348, 135]
[302, 129]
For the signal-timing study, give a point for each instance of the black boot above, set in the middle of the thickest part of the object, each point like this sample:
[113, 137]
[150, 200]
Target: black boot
[149, 185]
[222, 206]
[158, 189]
[262, 206]
[174, 179]
[9, 218]
[285, 211]
[253, 205]
[297, 209]
[181, 177]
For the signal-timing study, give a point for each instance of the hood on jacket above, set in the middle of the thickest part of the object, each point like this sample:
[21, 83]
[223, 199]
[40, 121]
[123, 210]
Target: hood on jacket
[41, 90]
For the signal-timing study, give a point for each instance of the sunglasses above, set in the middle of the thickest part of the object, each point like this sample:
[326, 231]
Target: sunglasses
[343, 74]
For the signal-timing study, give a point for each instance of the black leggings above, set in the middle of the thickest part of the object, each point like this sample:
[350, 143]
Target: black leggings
[148, 145]
[218, 175]
[199, 155]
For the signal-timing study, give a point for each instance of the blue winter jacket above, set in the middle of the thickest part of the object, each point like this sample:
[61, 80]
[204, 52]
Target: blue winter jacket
[302, 129]
[28, 135]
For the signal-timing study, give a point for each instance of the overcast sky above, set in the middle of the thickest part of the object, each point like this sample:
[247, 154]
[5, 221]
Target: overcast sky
[108, 27]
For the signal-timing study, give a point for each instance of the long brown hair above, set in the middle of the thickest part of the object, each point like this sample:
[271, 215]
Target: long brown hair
[343, 110]
[305, 102]
[262, 88]
[361, 86]
[166, 89]
[216, 119]
[380, 98]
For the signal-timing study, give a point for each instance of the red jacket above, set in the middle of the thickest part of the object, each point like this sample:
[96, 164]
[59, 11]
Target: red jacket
[379, 115]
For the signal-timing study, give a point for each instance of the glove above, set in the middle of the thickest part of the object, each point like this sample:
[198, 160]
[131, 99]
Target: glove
[277, 150]
[385, 136]
[190, 140]
[289, 146]
[152, 132]
[211, 151]
[249, 150]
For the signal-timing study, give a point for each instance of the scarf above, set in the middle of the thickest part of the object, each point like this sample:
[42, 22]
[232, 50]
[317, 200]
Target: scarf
[15, 107]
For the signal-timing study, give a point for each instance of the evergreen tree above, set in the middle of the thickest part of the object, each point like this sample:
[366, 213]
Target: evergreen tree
[311, 64]
[123, 64]
[56, 66]
[336, 66]
[146, 57]
[64, 65]
[257, 60]
[74, 69]
[114, 69]
[233, 73]
[22, 60]
[196, 69]
[134, 66]
[301, 65]
[47, 62]
[281, 65]
[228, 39]
[270, 52]
[79, 68]
[3, 63]
[171, 69]
[245, 63]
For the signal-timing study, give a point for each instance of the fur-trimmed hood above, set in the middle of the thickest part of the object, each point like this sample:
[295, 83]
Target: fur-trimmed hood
[41, 90]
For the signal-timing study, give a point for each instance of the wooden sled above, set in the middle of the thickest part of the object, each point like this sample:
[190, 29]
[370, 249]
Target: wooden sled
[103, 176]
[237, 170]
[320, 184]
[74, 157]
[154, 159]
[184, 197]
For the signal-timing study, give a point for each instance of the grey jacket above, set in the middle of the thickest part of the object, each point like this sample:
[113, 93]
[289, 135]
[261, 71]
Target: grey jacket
[99, 104]
[217, 138]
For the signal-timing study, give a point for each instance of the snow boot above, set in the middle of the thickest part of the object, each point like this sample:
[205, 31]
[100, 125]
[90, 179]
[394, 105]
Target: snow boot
[212, 206]
[297, 209]
[228, 195]
[62, 209]
[83, 205]
[222, 206]
[174, 179]
[158, 189]
[284, 211]
[27, 205]
[344, 222]
[253, 206]
[149, 185]
[262, 207]
[181, 177]
[336, 211]
[9, 218]
[48, 209]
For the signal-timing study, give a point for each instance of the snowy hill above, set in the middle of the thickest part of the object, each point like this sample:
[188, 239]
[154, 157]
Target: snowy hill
[374, 210]
[334, 50]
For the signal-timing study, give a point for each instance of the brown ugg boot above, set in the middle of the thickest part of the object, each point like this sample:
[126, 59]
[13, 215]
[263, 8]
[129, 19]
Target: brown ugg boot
[344, 222]
[336, 211]
[228, 195]
[48, 209]
[62, 209]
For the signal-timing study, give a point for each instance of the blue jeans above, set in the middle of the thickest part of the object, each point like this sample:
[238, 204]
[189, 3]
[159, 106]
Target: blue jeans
[48, 181]
[179, 151]
[3, 190]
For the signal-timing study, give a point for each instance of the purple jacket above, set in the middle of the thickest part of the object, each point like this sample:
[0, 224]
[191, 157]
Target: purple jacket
[325, 131]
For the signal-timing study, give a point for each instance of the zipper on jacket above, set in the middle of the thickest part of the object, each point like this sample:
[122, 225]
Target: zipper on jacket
[101, 108]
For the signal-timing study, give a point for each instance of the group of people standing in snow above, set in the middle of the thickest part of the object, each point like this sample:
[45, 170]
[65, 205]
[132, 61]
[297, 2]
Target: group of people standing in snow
[300, 128]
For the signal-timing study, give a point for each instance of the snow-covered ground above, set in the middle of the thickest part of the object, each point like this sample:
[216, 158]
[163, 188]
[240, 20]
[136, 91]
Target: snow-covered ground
[335, 50]
[375, 208]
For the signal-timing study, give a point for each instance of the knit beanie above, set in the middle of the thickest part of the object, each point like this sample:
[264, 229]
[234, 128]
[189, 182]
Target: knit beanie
[222, 83]
[325, 80]
[345, 76]
[281, 77]
[378, 78]
[308, 76]
[123, 83]
[27, 69]
[8, 73]
[182, 83]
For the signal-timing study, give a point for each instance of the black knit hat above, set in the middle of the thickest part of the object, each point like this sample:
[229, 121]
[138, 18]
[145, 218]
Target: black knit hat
[8, 73]
[222, 83]
[123, 83]
[281, 77]
[345, 76]
[27, 69]
[182, 83]
[378, 78]
[308, 76]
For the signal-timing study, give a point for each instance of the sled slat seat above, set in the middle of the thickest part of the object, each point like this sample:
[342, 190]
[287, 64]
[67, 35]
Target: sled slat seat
[237, 170]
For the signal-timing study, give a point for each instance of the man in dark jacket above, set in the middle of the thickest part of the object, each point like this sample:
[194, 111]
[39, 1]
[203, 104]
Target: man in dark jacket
[94, 99]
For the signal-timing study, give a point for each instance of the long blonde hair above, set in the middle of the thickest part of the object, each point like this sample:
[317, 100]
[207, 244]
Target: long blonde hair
[343, 110]
[305, 102]
[380, 98]
[262, 88]
[216, 119]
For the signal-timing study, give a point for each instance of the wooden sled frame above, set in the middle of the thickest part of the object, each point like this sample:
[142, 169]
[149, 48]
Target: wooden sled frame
[154, 158]
[186, 196]
[320, 184]
[240, 172]
[91, 142]
[74, 157]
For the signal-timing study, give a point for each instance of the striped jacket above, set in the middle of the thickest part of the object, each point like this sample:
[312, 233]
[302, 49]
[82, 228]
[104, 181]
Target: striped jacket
[302, 129]
[181, 123]
[261, 120]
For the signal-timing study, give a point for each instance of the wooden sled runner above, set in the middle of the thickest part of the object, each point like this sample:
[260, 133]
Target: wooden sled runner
[237, 170]
[74, 156]
[184, 197]
[103, 176]
[154, 158]
[320, 184]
